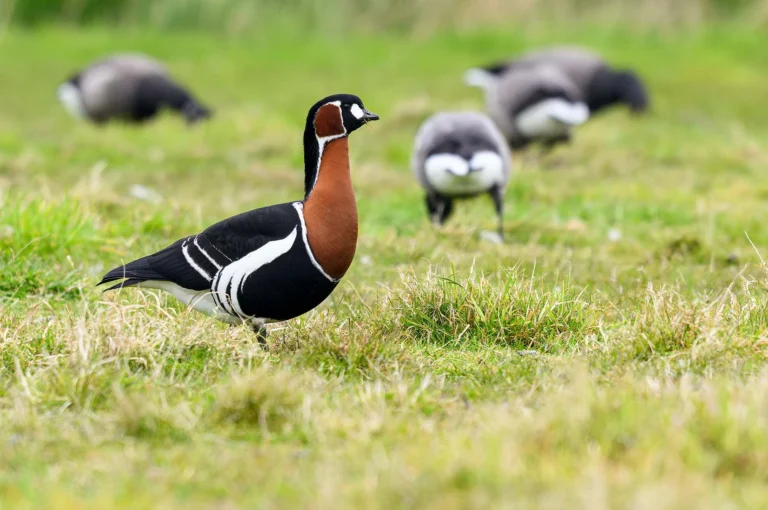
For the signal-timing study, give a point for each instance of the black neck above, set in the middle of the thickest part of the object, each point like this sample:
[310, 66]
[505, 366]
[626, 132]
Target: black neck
[311, 157]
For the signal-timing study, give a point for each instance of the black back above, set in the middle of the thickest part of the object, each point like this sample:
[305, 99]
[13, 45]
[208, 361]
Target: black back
[155, 92]
[540, 94]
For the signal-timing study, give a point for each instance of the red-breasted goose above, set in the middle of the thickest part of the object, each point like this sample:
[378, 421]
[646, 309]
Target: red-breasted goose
[129, 87]
[531, 104]
[278, 262]
[600, 85]
[461, 155]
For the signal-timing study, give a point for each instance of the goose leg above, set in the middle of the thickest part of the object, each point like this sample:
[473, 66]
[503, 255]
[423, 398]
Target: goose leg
[261, 333]
[498, 202]
[551, 143]
[439, 208]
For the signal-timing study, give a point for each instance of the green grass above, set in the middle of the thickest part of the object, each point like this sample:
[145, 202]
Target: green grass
[563, 369]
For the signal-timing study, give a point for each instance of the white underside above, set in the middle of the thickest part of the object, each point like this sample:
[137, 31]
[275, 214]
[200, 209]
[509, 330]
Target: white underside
[201, 301]
[451, 174]
[551, 118]
[70, 98]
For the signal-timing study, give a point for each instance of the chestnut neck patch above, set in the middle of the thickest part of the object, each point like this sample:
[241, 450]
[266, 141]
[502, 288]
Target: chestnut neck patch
[330, 211]
[328, 121]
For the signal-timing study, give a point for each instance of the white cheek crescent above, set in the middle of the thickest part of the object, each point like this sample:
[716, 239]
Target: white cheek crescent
[453, 175]
[356, 111]
[70, 97]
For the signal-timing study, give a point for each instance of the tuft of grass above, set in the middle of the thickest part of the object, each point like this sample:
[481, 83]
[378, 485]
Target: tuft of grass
[266, 400]
[667, 323]
[142, 415]
[511, 312]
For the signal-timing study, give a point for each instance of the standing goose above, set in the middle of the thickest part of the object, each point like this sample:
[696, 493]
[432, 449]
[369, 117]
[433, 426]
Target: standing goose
[129, 87]
[599, 84]
[460, 155]
[534, 103]
[278, 262]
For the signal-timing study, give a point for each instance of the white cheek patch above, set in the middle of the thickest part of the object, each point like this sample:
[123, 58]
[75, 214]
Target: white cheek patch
[453, 175]
[356, 111]
[70, 97]
[551, 117]
[488, 163]
[446, 163]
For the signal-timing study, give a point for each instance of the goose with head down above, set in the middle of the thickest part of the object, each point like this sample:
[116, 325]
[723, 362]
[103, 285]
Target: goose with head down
[531, 104]
[130, 87]
[600, 84]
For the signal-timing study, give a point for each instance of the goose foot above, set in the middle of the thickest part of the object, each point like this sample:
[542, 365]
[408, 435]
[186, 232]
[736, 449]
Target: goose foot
[261, 333]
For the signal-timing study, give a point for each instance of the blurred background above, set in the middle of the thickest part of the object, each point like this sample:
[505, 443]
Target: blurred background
[417, 16]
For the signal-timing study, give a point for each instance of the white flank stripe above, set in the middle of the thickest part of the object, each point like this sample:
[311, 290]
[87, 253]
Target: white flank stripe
[234, 275]
[216, 265]
[191, 261]
[221, 252]
[300, 209]
[551, 117]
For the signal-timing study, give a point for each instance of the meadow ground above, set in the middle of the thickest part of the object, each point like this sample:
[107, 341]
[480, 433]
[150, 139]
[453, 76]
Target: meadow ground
[611, 355]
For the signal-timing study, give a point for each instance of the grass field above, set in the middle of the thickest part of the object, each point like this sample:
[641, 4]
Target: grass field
[611, 355]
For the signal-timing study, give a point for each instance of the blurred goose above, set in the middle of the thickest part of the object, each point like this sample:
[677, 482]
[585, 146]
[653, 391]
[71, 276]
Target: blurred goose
[530, 104]
[460, 155]
[599, 84]
[277, 262]
[130, 87]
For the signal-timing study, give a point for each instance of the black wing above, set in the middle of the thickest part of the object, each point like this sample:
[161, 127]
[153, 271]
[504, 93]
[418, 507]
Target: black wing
[537, 95]
[192, 262]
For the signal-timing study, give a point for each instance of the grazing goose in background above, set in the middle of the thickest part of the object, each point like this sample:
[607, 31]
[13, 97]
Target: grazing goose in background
[531, 104]
[460, 155]
[130, 87]
[278, 262]
[599, 84]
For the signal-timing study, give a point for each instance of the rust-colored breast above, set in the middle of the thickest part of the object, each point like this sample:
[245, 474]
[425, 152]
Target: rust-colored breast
[330, 211]
[328, 121]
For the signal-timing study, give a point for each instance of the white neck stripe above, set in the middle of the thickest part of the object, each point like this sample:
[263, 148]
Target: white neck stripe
[300, 210]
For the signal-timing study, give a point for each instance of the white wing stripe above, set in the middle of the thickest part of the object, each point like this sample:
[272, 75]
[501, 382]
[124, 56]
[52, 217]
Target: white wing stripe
[233, 275]
[300, 209]
[191, 261]
[215, 264]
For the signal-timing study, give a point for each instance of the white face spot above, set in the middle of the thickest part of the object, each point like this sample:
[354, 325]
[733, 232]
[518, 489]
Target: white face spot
[453, 175]
[72, 100]
[551, 117]
[356, 111]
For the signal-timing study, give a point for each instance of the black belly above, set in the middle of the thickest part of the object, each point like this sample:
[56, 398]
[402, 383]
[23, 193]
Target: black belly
[285, 288]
